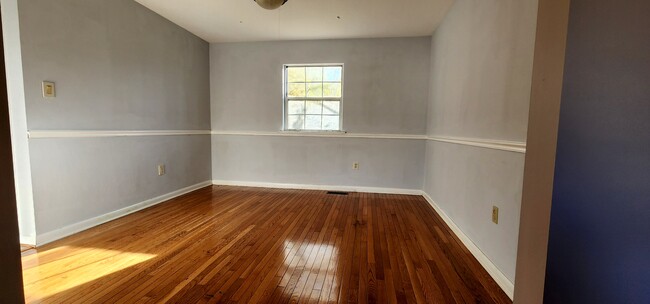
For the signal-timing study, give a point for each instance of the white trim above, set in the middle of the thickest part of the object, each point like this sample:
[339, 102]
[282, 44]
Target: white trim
[96, 221]
[333, 134]
[504, 145]
[37, 134]
[22, 174]
[28, 240]
[285, 97]
[317, 187]
[512, 146]
[498, 276]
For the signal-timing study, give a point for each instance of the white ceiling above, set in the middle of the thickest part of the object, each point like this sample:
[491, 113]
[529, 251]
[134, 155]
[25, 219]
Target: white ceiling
[244, 20]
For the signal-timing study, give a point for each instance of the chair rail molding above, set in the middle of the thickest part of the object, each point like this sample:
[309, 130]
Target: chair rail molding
[41, 134]
[504, 145]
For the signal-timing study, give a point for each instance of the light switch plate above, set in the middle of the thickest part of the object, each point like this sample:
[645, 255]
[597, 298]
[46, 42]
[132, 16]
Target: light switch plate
[49, 90]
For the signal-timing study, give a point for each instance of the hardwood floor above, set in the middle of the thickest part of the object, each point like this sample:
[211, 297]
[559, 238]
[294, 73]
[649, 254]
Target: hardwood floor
[254, 245]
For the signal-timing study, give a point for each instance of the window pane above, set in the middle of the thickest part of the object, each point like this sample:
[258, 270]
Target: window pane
[296, 107]
[314, 107]
[296, 90]
[314, 74]
[313, 122]
[331, 123]
[316, 83]
[296, 74]
[332, 90]
[331, 108]
[314, 90]
[333, 74]
[296, 122]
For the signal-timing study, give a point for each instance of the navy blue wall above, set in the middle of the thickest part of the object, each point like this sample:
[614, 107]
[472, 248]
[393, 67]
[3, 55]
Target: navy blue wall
[599, 246]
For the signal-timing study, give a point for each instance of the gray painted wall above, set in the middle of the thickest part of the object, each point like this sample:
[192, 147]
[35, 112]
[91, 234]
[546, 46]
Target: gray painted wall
[466, 182]
[481, 64]
[481, 70]
[385, 88]
[76, 179]
[388, 163]
[385, 92]
[117, 66]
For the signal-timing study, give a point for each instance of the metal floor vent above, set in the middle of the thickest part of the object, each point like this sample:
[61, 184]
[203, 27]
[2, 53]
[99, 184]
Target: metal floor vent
[337, 193]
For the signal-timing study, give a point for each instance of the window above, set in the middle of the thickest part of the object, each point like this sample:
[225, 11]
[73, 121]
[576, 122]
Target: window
[312, 97]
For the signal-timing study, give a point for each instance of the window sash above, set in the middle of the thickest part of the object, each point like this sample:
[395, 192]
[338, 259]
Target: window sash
[285, 84]
[316, 98]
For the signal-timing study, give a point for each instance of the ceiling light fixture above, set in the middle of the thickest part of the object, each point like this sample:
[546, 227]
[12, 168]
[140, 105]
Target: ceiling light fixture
[270, 4]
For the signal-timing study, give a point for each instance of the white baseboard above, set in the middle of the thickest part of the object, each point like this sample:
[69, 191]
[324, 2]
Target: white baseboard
[318, 187]
[87, 224]
[28, 240]
[498, 276]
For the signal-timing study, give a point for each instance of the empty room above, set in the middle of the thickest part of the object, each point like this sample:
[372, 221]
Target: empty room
[325, 151]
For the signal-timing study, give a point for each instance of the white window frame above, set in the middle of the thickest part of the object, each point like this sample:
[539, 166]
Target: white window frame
[285, 97]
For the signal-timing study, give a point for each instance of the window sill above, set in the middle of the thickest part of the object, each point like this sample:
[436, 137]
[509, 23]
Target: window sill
[313, 132]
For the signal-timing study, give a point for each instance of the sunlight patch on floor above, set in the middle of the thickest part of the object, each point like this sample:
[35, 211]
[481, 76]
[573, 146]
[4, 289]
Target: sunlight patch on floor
[79, 266]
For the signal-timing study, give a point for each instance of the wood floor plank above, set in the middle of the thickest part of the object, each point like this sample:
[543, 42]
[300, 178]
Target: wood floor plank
[223, 244]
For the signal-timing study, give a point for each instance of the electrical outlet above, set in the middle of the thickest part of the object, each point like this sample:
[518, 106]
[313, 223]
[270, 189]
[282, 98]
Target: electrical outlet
[161, 170]
[49, 90]
[495, 214]
[355, 166]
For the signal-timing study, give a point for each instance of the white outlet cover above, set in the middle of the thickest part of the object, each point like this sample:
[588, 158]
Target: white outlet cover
[49, 89]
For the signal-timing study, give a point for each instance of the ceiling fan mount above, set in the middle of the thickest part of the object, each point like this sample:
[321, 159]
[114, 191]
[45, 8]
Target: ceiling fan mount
[270, 4]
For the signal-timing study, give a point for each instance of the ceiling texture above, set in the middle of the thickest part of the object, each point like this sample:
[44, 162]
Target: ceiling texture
[244, 20]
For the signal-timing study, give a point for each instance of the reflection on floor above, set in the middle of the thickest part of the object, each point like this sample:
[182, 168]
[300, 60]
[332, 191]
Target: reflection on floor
[26, 250]
[308, 259]
[253, 245]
